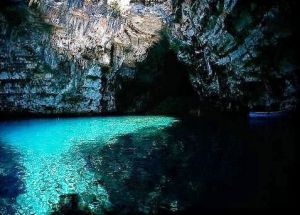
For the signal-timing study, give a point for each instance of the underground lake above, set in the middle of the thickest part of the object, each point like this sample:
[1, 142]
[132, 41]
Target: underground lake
[148, 107]
[144, 165]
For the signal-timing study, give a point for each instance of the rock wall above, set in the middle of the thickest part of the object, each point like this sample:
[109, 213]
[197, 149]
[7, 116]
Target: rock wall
[241, 53]
[68, 64]
[85, 56]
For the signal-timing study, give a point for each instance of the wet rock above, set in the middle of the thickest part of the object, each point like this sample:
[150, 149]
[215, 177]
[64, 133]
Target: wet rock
[70, 204]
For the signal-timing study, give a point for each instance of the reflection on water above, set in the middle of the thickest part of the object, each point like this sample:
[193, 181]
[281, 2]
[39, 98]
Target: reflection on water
[150, 165]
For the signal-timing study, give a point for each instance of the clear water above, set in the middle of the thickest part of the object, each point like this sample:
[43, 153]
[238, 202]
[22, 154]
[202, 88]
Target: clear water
[48, 159]
[146, 165]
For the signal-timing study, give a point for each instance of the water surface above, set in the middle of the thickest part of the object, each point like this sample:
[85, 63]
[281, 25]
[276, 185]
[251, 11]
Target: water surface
[48, 164]
[146, 165]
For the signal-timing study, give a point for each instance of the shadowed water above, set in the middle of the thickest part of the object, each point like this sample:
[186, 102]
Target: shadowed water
[199, 165]
[53, 167]
[11, 173]
[147, 165]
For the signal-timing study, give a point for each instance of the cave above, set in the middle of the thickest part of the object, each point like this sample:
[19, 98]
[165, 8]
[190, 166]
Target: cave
[148, 107]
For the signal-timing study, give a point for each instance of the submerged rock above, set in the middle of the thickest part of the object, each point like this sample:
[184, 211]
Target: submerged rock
[11, 183]
[70, 204]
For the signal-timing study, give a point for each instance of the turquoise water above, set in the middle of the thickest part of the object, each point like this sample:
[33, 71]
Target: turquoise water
[48, 155]
[146, 165]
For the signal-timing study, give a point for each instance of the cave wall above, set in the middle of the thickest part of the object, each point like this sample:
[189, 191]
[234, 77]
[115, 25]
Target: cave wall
[241, 52]
[63, 56]
[97, 56]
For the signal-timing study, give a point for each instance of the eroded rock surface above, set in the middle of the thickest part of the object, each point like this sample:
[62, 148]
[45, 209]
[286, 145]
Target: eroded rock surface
[240, 52]
[82, 56]
[71, 67]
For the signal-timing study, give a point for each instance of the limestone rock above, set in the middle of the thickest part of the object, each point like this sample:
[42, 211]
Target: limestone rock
[235, 50]
[71, 67]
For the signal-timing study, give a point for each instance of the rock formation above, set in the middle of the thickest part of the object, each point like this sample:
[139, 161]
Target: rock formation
[68, 64]
[76, 56]
[241, 53]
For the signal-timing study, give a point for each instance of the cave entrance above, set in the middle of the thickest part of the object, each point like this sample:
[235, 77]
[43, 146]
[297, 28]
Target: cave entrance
[161, 85]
